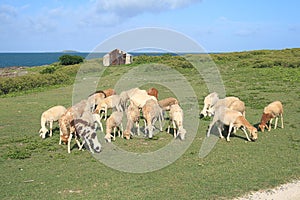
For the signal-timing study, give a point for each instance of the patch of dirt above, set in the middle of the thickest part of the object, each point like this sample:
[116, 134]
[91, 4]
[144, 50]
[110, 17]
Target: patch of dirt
[289, 191]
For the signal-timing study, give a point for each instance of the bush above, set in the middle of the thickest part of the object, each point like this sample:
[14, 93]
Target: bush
[70, 59]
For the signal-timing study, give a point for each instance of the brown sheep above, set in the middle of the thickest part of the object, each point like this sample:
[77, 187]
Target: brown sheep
[273, 110]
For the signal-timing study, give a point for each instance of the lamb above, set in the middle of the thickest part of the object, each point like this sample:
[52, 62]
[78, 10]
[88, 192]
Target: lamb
[176, 118]
[151, 113]
[273, 110]
[113, 102]
[48, 117]
[113, 122]
[165, 104]
[133, 117]
[153, 92]
[231, 118]
[212, 102]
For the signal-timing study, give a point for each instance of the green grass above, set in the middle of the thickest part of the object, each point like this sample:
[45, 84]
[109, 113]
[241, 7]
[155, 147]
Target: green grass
[32, 168]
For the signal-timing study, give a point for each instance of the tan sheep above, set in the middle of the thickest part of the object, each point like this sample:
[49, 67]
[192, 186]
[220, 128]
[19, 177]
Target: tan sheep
[176, 119]
[151, 113]
[112, 123]
[273, 110]
[233, 119]
[111, 102]
[133, 117]
[48, 117]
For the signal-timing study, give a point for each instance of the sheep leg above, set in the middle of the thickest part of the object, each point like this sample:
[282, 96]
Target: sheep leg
[69, 143]
[122, 130]
[210, 127]
[168, 129]
[220, 132]
[175, 129]
[105, 112]
[243, 128]
[51, 125]
[138, 127]
[270, 124]
[229, 131]
[114, 138]
[276, 121]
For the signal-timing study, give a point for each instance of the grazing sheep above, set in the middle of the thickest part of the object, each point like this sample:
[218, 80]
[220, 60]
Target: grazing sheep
[273, 110]
[79, 122]
[86, 130]
[48, 117]
[176, 118]
[165, 104]
[112, 102]
[232, 118]
[113, 122]
[133, 117]
[212, 102]
[95, 98]
[135, 95]
[153, 92]
[151, 113]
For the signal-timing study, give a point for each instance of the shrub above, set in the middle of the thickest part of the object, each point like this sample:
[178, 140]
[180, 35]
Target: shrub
[70, 59]
[48, 70]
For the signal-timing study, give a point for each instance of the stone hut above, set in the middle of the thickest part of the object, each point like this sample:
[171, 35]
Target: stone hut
[117, 57]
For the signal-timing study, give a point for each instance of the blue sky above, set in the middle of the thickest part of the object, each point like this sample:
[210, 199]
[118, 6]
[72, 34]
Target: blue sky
[216, 25]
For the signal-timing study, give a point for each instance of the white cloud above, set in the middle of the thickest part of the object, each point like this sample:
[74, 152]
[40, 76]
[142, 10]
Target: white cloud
[111, 12]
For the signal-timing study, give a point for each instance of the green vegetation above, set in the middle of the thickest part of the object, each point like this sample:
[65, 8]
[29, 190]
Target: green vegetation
[32, 168]
[70, 59]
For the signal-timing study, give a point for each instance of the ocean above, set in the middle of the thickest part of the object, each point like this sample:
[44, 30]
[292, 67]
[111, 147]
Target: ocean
[37, 59]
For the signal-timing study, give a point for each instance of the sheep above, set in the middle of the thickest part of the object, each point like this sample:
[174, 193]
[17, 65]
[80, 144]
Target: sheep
[86, 130]
[133, 117]
[212, 102]
[153, 92]
[80, 122]
[151, 113]
[113, 122]
[176, 118]
[95, 98]
[113, 101]
[231, 118]
[165, 104]
[273, 110]
[135, 95]
[48, 117]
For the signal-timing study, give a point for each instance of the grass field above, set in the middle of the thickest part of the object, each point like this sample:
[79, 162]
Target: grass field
[32, 168]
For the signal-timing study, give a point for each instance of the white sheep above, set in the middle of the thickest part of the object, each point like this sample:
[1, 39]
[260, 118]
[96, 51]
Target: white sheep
[212, 102]
[273, 110]
[233, 119]
[137, 96]
[133, 117]
[151, 113]
[112, 123]
[48, 117]
[111, 102]
[176, 119]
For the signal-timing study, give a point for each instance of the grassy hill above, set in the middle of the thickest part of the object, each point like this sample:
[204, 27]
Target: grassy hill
[33, 168]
